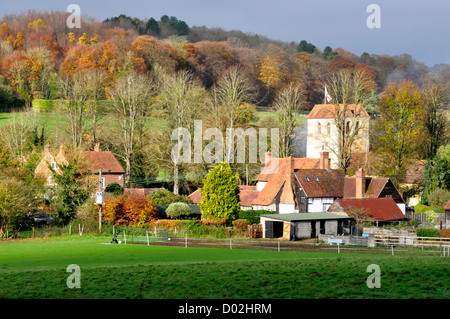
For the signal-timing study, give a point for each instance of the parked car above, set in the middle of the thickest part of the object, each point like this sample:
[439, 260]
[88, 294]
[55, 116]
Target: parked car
[42, 218]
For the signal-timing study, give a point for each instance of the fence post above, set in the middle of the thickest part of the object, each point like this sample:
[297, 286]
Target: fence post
[185, 242]
[278, 246]
[124, 237]
[230, 244]
[392, 247]
[148, 241]
[339, 251]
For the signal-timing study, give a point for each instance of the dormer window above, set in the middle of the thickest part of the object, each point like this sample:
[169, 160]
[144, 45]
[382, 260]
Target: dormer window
[54, 165]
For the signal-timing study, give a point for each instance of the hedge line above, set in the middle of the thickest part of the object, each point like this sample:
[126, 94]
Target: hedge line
[41, 105]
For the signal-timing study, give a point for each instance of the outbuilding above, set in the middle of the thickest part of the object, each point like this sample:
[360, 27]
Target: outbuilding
[303, 225]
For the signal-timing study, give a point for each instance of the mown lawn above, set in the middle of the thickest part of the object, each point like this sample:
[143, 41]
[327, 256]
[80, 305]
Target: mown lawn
[37, 269]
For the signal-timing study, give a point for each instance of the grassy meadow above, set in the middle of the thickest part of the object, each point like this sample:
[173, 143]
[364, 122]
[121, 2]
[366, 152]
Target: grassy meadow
[36, 269]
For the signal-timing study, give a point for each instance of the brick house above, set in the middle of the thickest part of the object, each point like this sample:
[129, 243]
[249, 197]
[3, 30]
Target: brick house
[43, 170]
[112, 171]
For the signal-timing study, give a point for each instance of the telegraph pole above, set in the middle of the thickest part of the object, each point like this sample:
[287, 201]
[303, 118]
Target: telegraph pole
[99, 197]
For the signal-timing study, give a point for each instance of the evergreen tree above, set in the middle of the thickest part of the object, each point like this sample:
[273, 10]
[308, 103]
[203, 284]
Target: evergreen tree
[152, 27]
[69, 193]
[220, 194]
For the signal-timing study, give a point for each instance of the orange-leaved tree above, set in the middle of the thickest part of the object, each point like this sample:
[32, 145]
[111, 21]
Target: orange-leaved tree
[131, 210]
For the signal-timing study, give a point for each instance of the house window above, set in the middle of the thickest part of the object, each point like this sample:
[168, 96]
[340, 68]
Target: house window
[328, 128]
[54, 165]
[50, 180]
[310, 200]
[302, 200]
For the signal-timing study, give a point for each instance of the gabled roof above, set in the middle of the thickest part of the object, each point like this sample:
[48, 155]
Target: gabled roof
[327, 111]
[321, 182]
[275, 182]
[299, 163]
[381, 209]
[447, 206]
[375, 187]
[104, 160]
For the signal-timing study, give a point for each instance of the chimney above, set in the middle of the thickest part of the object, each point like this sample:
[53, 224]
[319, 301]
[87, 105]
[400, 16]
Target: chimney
[324, 160]
[289, 171]
[360, 184]
[267, 158]
[47, 148]
[97, 147]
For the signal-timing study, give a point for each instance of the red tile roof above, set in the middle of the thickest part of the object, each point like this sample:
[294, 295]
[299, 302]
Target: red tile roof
[326, 111]
[375, 187]
[381, 209]
[247, 195]
[321, 182]
[104, 160]
[447, 207]
[299, 163]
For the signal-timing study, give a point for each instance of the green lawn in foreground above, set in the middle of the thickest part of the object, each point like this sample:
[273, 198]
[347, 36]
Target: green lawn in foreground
[37, 269]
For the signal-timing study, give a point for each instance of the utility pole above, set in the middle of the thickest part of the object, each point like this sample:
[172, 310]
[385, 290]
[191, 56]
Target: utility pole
[99, 197]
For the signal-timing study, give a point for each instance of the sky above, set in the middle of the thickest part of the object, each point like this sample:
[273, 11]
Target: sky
[418, 28]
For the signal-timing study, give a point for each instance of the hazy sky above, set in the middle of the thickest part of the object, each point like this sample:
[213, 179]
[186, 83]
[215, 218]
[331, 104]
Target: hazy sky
[419, 28]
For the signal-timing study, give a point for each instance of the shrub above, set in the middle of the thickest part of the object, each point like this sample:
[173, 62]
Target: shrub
[179, 209]
[87, 211]
[432, 216]
[421, 208]
[428, 232]
[114, 188]
[253, 215]
[164, 197]
[214, 222]
[445, 233]
[240, 224]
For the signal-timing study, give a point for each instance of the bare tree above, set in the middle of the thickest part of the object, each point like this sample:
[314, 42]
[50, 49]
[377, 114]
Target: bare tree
[349, 92]
[182, 98]
[289, 102]
[131, 94]
[232, 90]
[73, 91]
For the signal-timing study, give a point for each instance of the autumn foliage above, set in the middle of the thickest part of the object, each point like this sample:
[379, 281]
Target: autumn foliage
[132, 210]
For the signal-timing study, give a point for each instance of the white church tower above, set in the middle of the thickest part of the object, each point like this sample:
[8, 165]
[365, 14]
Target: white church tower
[322, 133]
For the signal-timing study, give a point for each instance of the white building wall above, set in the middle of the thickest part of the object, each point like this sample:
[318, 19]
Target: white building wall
[319, 204]
[327, 141]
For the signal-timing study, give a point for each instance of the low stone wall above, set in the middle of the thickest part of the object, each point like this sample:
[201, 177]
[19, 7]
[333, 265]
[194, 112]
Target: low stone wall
[389, 231]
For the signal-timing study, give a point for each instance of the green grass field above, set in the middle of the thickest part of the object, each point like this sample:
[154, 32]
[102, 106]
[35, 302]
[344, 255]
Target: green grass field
[37, 269]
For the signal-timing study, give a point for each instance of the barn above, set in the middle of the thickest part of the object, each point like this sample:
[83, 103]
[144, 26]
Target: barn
[303, 225]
